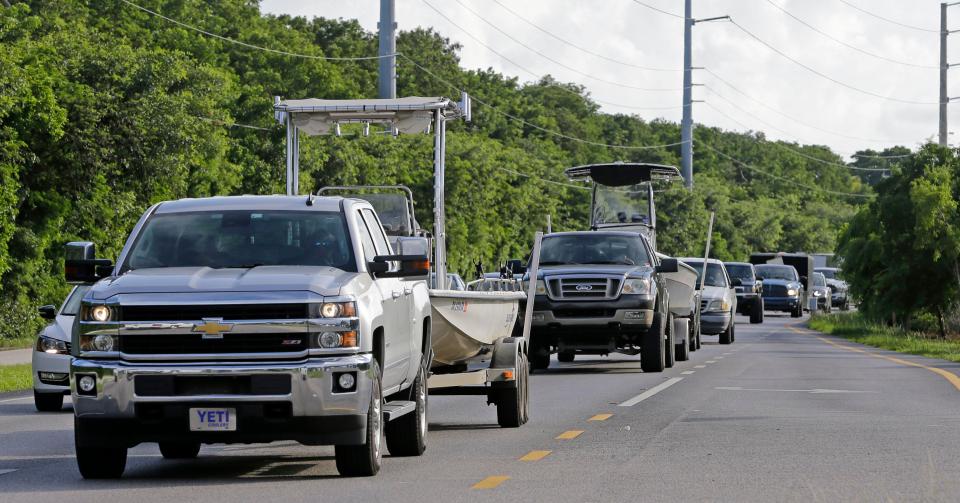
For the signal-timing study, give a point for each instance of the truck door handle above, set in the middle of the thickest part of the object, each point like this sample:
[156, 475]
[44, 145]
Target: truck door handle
[396, 294]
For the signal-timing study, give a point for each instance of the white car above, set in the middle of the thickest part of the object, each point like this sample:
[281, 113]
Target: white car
[51, 355]
[718, 301]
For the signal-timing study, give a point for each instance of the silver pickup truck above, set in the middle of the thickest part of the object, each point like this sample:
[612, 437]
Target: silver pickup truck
[252, 319]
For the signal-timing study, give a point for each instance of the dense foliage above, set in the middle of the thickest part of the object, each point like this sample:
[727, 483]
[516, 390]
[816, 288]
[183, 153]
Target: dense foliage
[902, 251]
[105, 109]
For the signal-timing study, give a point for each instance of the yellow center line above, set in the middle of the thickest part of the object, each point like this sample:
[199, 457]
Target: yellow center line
[535, 455]
[949, 376]
[491, 482]
[568, 435]
[600, 417]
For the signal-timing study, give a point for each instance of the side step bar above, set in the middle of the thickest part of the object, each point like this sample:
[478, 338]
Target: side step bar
[397, 408]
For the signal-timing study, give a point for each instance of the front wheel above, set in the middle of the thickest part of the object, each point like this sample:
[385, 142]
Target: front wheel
[566, 356]
[407, 435]
[98, 462]
[539, 357]
[726, 337]
[797, 312]
[652, 349]
[756, 311]
[364, 460]
[47, 402]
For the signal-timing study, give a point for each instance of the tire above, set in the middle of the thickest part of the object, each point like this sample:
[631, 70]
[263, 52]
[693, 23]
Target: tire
[681, 349]
[652, 348]
[48, 402]
[733, 331]
[364, 460]
[175, 450]
[669, 357]
[756, 311]
[566, 356]
[726, 337]
[98, 462]
[512, 405]
[407, 435]
[539, 358]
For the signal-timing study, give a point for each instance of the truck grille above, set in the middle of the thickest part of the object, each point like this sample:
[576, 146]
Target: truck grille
[774, 291]
[225, 311]
[589, 288]
[174, 385]
[584, 313]
[185, 344]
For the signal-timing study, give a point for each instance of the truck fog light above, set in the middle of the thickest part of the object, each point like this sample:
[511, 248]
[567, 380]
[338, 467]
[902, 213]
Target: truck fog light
[330, 340]
[633, 315]
[346, 381]
[538, 317]
[103, 343]
[87, 384]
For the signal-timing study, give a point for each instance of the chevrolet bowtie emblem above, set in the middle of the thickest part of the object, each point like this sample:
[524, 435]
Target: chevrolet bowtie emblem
[213, 328]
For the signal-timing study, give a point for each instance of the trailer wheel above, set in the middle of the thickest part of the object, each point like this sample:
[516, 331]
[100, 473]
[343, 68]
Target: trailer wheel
[756, 311]
[652, 348]
[512, 402]
[364, 460]
[682, 349]
[669, 356]
[407, 435]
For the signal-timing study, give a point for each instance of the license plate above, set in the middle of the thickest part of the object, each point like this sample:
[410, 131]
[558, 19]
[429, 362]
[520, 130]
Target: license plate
[213, 419]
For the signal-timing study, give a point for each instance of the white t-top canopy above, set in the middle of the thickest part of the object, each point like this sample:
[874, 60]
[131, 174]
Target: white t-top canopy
[411, 114]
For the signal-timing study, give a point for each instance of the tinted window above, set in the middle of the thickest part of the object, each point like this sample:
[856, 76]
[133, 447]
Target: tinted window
[819, 280]
[72, 304]
[744, 272]
[366, 240]
[593, 249]
[829, 273]
[379, 240]
[715, 276]
[784, 272]
[229, 239]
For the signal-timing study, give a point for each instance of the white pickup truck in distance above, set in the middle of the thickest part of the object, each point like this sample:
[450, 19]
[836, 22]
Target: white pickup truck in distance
[252, 319]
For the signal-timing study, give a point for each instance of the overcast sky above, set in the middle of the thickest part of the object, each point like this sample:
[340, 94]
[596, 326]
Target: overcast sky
[783, 100]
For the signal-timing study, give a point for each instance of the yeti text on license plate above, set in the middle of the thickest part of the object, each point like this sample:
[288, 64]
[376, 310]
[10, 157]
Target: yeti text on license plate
[213, 419]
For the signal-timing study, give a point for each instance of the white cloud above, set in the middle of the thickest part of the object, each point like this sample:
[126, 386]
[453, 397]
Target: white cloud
[624, 30]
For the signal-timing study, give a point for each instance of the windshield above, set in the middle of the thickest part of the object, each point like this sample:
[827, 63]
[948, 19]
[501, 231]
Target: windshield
[72, 303]
[593, 249]
[742, 271]
[715, 276]
[393, 212]
[621, 205]
[784, 272]
[829, 273]
[243, 239]
[819, 280]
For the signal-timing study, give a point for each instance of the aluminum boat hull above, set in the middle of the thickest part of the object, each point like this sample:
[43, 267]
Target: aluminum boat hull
[466, 322]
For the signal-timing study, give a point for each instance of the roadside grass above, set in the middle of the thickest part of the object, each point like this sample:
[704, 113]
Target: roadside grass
[15, 377]
[854, 327]
[20, 343]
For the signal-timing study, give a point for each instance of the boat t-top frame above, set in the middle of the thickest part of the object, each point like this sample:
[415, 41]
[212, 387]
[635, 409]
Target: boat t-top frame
[624, 174]
[409, 115]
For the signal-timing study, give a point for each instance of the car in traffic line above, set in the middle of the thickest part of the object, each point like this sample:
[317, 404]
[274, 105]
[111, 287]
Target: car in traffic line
[718, 300]
[51, 353]
[749, 289]
[782, 288]
[838, 287]
[822, 293]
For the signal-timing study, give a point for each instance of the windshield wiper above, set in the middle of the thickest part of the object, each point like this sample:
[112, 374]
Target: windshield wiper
[557, 263]
[241, 266]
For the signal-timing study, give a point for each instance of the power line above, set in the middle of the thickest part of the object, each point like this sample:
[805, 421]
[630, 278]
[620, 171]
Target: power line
[232, 124]
[580, 48]
[531, 125]
[542, 55]
[892, 21]
[784, 179]
[671, 14]
[845, 44]
[251, 46]
[825, 76]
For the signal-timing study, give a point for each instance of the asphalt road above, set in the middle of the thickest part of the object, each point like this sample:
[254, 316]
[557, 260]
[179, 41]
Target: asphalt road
[783, 414]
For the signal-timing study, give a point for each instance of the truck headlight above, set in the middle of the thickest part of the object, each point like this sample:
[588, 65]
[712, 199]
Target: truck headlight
[97, 312]
[541, 287]
[816, 293]
[51, 345]
[337, 340]
[335, 310]
[100, 342]
[637, 286]
[791, 292]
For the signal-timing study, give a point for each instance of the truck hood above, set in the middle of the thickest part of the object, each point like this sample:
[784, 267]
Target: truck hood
[324, 281]
[618, 270]
[786, 283]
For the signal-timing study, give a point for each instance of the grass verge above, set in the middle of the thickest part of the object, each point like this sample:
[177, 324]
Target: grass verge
[15, 377]
[855, 327]
[24, 342]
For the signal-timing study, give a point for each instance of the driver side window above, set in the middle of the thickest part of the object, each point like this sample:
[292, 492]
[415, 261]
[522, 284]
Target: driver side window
[366, 241]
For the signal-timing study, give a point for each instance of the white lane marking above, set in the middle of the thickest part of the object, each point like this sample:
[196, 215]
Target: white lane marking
[7, 470]
[688, 372]
[699, 366]
[16, 399]
[652, 391]
[718, 357]
[816, 391]
[711, 361]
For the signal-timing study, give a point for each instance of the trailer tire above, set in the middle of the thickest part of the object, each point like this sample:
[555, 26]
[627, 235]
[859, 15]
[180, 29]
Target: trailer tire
[652, 348]
[669, 357]
[364, 460]
[756, 311]
[512, 402]
[407, 435]
[682, 348]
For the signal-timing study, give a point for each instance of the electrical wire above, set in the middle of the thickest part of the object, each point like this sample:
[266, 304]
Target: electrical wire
[823, 75]
[781, 178]
[534, 126]
[892, 21]
[845, 44]
[251, 46]
[542, 55]
[231, 124]
[580, 48]
[671, 14]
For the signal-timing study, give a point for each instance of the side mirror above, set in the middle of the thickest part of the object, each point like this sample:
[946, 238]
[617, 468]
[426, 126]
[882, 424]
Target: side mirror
[668, 265]
[81, 266]
[47, 312]
[413, 246]
[517, 266]
[411, 266]
[803, 279]
[736, 282]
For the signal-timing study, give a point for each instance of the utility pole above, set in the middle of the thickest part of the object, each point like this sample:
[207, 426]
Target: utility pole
[686, 123]
[387, 85]
[943, 75]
